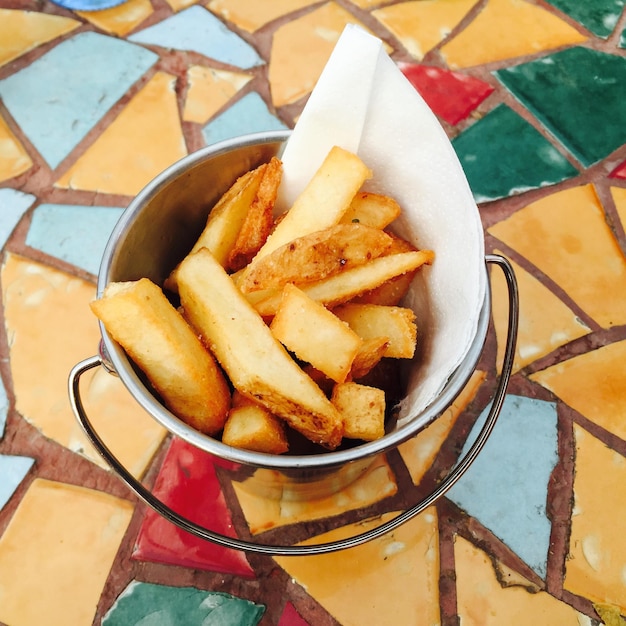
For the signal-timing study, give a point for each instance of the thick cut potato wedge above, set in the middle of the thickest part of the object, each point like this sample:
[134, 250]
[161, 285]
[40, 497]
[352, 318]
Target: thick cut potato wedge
[362, 409]
[344, 286]
[314, 334]
[157, 338]
[255, 361]
[371, 321]
[259, 220]
[226, 220]
[252, 427]
[323, 201]
[368, 357]
[372, 209]
[316, 256]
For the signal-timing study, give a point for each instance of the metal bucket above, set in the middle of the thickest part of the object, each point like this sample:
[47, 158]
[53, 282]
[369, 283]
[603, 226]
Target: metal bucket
[153, 234]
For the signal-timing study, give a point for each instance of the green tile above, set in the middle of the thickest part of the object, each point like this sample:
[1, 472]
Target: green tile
[502, 155]
[579, 95]
[598, 16]
[622, 39]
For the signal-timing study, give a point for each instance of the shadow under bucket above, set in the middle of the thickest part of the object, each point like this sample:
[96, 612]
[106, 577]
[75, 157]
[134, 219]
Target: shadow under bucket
[155, 232]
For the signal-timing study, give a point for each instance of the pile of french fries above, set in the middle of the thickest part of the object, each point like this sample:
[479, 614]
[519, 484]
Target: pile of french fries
[280, 319]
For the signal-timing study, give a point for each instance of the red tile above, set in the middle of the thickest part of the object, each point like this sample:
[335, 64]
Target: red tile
[619, 171]
[291, 617]
[188, 483]
[451, 95]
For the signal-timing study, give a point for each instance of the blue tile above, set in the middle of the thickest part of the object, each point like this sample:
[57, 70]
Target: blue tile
[505, 488]
[197, 30]
[12, 472]
[76, 234]
[248, 115]
[4, 408]
[60, 97]
[160, 605]
[13, 205]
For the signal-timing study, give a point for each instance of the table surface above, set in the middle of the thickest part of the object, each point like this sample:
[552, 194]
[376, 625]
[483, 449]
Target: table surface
[93, 104]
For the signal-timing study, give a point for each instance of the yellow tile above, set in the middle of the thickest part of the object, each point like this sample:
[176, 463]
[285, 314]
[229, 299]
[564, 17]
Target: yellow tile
[482, 600]
[366, 4]
[300, 50]
[179, 5]
[14, 160]
[596, 562]
[505, 29]
[51, 328]
[592, 383]
[21, 31]
[56, 553]
[120, 20]
[144, 139]
[250, 15]
[619, 197]
[420, 452]
[566, 236]
[263, 514]
[545, 322]
[388, 581]
[422, 24]
[209, 90]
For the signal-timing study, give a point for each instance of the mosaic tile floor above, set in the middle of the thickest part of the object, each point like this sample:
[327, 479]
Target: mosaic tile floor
[95, 104]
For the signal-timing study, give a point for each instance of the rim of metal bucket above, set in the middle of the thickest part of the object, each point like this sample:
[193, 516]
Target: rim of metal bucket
[116, 360]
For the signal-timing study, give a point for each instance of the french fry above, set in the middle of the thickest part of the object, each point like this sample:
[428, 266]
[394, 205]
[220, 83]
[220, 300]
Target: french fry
[362, 409]
[156, 337]
[316, 256]
[372, 209]
[314, 334]
[255, 361]
[371, 321]
[323, 201]
[344, 286]
[369, 355]
[259, 220]
[252, 427]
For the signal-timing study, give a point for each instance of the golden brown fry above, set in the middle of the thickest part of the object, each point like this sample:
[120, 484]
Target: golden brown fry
[314, 334]
[255, 361]
[368, 356]
[156, 337]
[259, 220]
[362, 409]
[372, 209]
[316, 256]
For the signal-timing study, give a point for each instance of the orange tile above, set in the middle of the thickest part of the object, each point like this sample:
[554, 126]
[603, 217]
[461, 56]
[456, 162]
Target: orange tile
[419, 453]
[144, 139]
[209, 90]
[619, 197]
[250, 15]
[592, 383]
[14, 159]
[66, 537]
[482, 600]
[545, 322]
[388, 581]
[265, 513]
[596, 562]
[179, 5]
[122, 19]
[51, 327]
[300, 50]
[21, 31]
[506, 29]
[566, 236]
[420, 25]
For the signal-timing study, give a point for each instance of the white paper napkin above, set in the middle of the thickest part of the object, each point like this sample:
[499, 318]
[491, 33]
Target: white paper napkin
[363, 103]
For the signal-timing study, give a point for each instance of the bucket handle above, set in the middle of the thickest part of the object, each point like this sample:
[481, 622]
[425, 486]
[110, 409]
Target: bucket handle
[321, 548]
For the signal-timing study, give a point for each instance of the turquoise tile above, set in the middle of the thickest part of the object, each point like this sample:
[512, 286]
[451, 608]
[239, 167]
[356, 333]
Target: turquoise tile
[503, 155]
[506, 487]
[13, 205]
[198, 30]
[248, 115]
[160, 605]
[12, 472]
[598, 16]
[62, 95]
[579, 95]
[76, 234]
